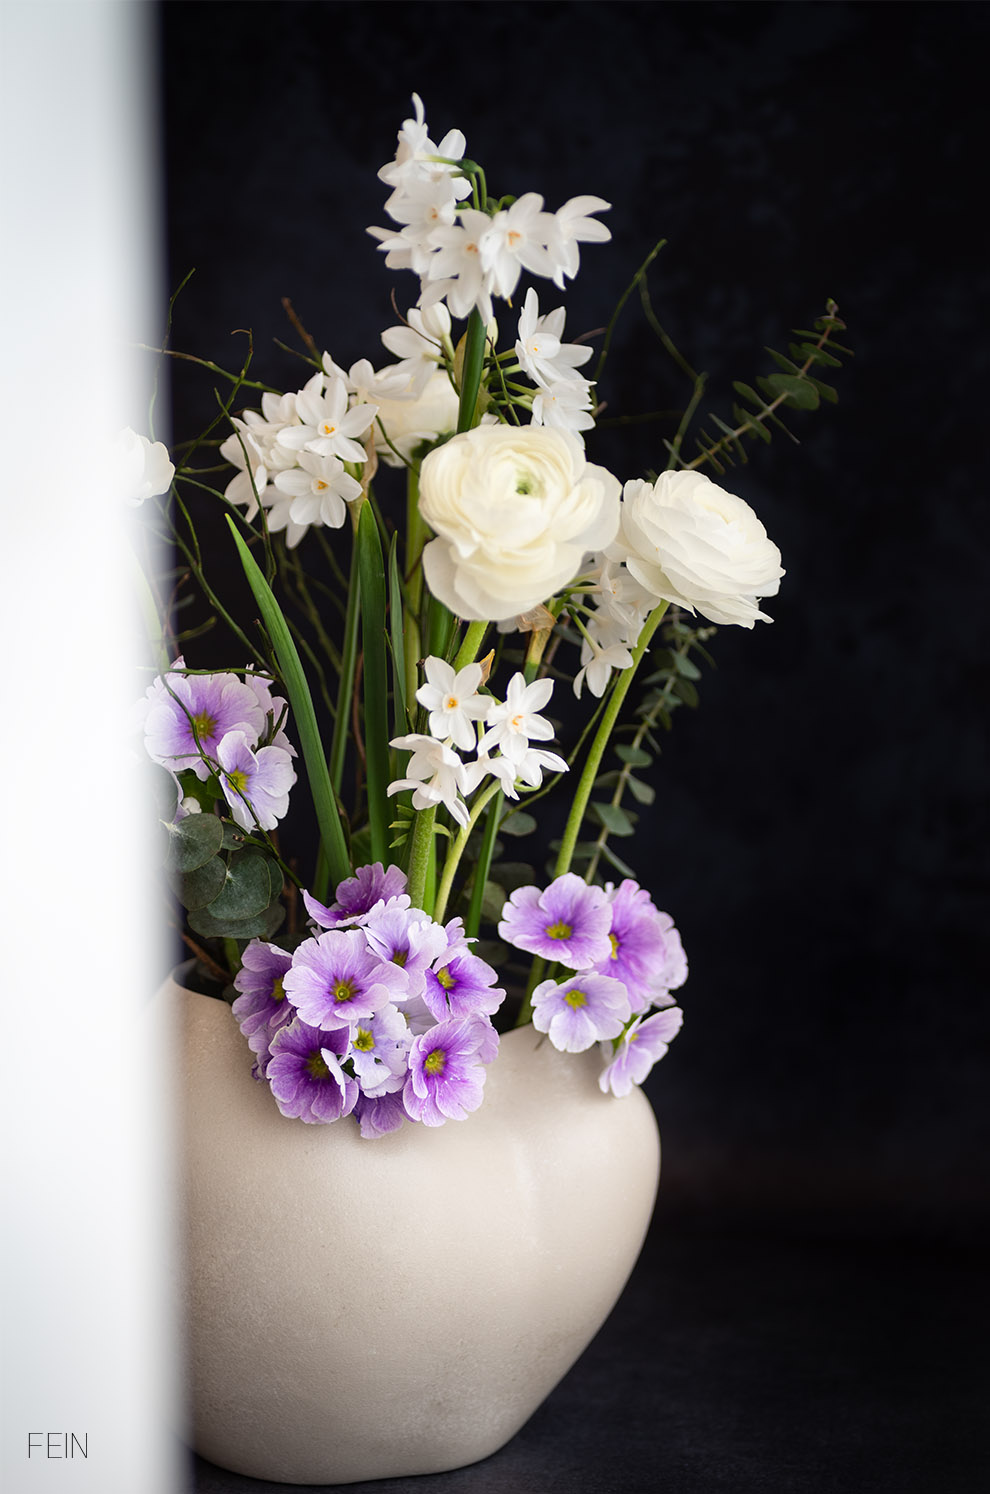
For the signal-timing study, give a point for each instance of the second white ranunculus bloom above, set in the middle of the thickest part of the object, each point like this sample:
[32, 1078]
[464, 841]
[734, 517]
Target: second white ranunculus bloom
[688, 541]
[515, 510]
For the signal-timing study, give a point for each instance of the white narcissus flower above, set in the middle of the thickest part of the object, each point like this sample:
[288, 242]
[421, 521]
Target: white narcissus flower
[515, 510]
[539, 349]
[436, 775]
[513, 722]
[516, 241]
[249, 486]
[571, 226]
[142, 468]
[415, 151]
[456, 271]
[565, 406]
[327, 426]
[688, 541]
[418, 344]
[319, 490]
[453, 702]
[598, 660]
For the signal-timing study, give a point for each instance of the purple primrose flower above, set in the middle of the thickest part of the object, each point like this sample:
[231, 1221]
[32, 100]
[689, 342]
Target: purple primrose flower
[446, 1069]
[255, 784]
[641, 1046]
[336, 980]
[306, 1076]
[647, 954]
[568, 922]
[261, 1008]
[189, 714]
[357, 895]
[578, 1012]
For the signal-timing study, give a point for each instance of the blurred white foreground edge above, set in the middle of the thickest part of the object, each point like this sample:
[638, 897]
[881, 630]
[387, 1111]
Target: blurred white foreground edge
[88, 1399]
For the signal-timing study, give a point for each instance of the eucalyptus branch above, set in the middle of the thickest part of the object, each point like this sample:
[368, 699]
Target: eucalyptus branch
[794, 385]
[610, 329]
[647, 724]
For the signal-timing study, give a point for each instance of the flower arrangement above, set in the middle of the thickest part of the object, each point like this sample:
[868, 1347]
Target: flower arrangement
[417, 651]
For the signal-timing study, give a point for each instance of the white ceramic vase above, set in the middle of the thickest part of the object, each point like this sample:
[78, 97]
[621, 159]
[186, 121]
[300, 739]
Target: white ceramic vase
[360, 1309]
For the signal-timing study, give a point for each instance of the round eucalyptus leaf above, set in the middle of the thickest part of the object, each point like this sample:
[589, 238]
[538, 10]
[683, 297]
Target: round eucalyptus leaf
[196, 889]
[193, 842]
[246, 889]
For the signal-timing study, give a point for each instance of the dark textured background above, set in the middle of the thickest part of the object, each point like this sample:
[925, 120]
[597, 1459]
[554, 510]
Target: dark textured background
[820, 828]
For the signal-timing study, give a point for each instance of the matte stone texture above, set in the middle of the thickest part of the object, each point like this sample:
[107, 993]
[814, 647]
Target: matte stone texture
[359, 1309]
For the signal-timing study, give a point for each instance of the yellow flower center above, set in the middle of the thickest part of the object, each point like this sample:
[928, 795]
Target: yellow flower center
[615, 947]
[320, 484]
[365, 1040]
[204, 725]
[316, 1066]
[435, 1061]
[451, 703]
[342, 990]
[446, 979]
[278, 989]
[328, 430]
[558, 930]
[576, 998]
[237, 780]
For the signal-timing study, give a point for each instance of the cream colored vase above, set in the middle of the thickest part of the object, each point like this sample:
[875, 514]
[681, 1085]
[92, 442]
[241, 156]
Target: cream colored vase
[370, 1309]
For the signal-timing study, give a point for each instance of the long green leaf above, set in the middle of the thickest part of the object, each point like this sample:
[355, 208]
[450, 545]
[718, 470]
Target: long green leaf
[371, 569]
[304, 716]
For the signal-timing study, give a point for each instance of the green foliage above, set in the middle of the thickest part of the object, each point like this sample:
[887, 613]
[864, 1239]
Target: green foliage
[228, 888]
[758, 414]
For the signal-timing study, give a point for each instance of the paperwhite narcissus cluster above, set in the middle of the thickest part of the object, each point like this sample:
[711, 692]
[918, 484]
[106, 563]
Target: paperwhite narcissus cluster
[437, 773]
[465, 255]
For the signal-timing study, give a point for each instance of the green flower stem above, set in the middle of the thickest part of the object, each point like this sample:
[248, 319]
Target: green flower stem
[471, 646]
[474, 360]
[536, 974]
[348, 664]
[485, 852]
[457, 850]
[421, 843]
[233, 956]
[605, 727]
[416, 535]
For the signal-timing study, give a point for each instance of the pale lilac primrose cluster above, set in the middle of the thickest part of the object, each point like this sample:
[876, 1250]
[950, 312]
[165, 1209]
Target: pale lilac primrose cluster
[381, 1014]
[621, 957]
[466, 255]
[224, 726]
[436, 771]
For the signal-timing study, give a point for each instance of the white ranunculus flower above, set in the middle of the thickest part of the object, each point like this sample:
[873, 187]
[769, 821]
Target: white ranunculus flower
[688, 541]
[408, 422]
[515, 510]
